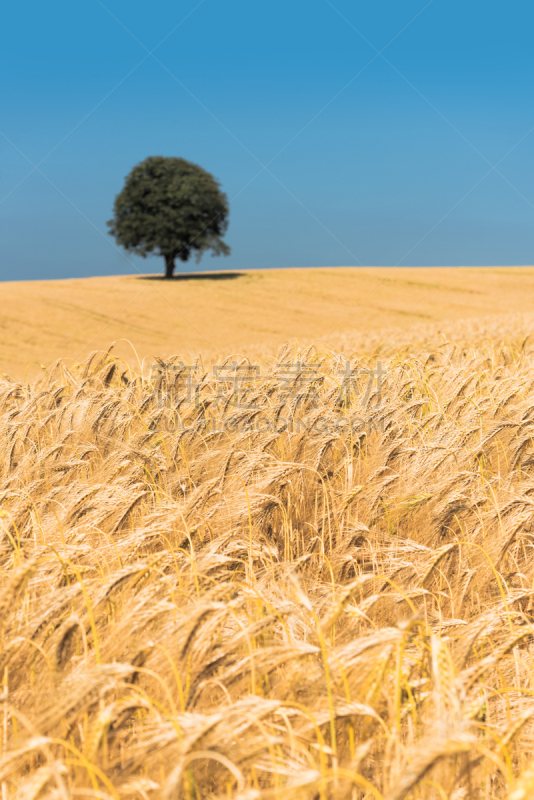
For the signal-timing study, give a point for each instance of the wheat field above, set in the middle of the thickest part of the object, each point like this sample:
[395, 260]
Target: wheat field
[316, 582]
[250, 312]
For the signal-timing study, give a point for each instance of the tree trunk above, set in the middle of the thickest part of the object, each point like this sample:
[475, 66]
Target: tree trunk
[169, 266]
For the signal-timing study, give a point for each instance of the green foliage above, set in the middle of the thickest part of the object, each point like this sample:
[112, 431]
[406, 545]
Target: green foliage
[170, 207]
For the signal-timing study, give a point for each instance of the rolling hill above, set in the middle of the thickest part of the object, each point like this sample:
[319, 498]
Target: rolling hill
[248, 312]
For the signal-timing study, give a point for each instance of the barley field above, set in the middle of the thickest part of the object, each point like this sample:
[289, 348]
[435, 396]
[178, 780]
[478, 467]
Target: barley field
[315, 582]
[250, 312]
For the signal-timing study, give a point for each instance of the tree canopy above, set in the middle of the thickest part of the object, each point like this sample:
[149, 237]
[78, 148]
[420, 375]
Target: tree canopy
[172, 208]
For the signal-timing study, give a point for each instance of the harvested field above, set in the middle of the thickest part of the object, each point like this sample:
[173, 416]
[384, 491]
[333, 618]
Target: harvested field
[316, 584]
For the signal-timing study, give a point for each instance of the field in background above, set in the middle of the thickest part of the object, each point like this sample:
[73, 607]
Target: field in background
[308, 589]
[251, 312]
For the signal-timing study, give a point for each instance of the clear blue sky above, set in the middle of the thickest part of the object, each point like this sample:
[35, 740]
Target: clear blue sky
[332, 149]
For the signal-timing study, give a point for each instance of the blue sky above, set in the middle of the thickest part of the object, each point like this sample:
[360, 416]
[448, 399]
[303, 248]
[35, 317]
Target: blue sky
[343, 132]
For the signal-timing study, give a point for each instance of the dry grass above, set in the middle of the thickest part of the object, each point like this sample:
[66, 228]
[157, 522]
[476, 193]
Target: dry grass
[253, 313]
[259, 612]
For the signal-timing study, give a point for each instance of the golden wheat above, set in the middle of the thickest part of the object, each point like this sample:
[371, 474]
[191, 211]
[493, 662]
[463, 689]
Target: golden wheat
[312, 593]
[249, 312]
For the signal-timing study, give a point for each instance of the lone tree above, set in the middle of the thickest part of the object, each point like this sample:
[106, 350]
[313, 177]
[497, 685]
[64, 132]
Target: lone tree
[170, 207]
